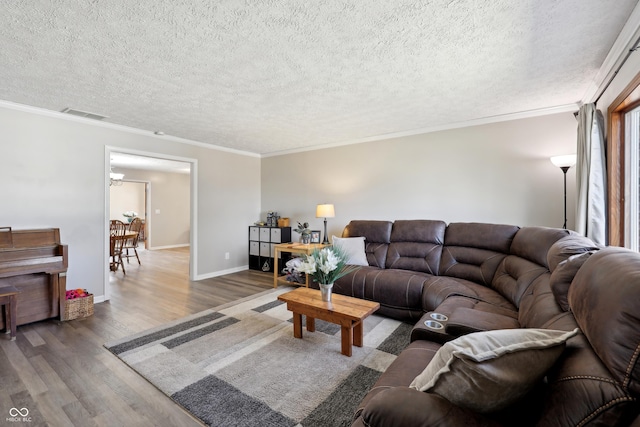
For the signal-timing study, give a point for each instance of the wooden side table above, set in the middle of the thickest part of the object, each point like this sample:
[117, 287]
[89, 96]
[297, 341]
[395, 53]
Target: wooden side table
[294, 248]
[8, 298]
[348, 312]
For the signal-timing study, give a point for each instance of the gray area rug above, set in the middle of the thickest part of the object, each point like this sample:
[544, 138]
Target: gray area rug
[239, 364]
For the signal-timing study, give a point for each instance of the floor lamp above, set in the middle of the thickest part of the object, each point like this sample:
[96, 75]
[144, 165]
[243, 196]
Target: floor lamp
[564, 163]
[325, 211]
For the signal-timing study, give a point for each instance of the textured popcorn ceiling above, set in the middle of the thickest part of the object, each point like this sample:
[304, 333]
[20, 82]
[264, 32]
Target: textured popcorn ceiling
[272, 75]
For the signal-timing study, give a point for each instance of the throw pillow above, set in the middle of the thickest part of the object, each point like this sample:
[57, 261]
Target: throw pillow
[353, 247]
[563, 275]
[488, 371]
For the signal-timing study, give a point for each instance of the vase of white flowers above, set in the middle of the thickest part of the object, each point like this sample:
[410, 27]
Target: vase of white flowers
[130, 215]
[325, 266]
[325, 291]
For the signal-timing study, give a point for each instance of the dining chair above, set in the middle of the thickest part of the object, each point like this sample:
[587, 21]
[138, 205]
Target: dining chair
[132, 243]
[117, 230]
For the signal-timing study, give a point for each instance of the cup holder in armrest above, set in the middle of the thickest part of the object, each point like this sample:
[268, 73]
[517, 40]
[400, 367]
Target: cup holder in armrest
[438, 317]
[433, 324]
[431, 327]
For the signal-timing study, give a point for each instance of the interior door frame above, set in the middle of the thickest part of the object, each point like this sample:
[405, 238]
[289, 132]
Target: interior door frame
[193, 188]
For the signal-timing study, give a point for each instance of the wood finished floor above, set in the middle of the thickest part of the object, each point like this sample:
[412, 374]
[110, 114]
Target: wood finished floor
[63, 375]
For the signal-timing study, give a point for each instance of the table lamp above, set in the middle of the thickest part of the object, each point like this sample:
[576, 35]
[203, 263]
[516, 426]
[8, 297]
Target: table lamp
[325, 211]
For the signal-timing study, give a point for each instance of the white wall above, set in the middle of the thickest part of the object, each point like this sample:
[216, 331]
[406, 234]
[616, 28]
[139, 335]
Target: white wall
[129, 196]
[169, 196]
[497, 173]
[53, 175]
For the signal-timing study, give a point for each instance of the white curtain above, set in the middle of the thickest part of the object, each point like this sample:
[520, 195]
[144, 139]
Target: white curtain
[591, 177]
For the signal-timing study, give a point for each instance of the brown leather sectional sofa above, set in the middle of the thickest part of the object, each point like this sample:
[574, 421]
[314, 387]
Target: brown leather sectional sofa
[484, 277]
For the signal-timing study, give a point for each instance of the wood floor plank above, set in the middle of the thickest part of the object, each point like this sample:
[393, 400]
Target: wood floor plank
[24, 369]
[63, 374]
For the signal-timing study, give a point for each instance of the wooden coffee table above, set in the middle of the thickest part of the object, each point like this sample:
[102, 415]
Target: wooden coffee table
[345, 311]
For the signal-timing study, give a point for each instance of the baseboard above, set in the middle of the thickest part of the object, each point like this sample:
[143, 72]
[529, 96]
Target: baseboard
[155, 248]
[222, 272]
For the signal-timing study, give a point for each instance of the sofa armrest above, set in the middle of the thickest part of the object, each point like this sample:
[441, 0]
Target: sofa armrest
[467, 320]
[404, 406]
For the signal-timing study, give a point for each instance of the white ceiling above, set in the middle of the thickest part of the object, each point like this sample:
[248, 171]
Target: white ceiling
[276, 75]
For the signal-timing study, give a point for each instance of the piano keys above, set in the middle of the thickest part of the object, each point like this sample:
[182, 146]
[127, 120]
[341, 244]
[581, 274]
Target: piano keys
[35, 262]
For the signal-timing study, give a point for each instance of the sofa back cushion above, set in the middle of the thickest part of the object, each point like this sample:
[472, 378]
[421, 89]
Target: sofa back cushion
[605, 300]
[416, 245]
[515, 275]
[377, 236]
[473, 251]
[533, 243]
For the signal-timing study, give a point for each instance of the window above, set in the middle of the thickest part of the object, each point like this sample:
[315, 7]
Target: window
[623, 164]
[632, 183]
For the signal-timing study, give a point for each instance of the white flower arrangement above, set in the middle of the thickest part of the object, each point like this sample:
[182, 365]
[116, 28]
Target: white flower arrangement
[326, 265]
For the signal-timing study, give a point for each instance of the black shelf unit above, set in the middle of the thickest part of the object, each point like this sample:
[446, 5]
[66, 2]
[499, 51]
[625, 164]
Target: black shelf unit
[261, 242]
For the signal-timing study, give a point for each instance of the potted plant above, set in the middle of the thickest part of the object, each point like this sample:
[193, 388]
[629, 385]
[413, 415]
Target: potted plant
[305, 232]
[325, 266]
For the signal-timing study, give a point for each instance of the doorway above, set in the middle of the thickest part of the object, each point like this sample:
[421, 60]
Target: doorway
[130, 197]
[154, 183]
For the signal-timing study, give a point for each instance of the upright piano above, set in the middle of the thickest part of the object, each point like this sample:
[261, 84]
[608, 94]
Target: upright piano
[35, 262]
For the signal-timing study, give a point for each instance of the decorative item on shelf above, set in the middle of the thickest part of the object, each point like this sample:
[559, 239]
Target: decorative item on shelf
[325, 266]
[564, 163]
[272, 219]
[130, 215]
[315, 236]
[305, 232]
[325, 211]
[283, 222]
[78, 304]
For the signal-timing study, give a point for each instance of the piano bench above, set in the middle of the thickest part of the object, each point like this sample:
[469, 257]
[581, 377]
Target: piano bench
[8, 298]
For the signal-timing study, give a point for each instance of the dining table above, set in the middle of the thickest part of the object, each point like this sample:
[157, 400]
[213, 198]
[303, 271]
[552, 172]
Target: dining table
[112, 246]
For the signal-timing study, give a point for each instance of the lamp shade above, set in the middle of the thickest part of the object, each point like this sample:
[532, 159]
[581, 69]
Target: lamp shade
[564, 161]
[325, 211]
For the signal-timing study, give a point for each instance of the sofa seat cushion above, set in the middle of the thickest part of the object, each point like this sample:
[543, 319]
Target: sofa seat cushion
[484, 372]
[452, 303]
[438, 288]
[399, 292]
[403, 406]
[409, 363]
[467, 320]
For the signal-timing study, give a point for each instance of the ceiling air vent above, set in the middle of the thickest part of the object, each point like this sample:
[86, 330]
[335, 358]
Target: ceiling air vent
[86, 114]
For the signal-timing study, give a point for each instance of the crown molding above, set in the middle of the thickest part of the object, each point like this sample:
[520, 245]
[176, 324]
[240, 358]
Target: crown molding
[456, 125]
[628, 36]
[150, 134]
